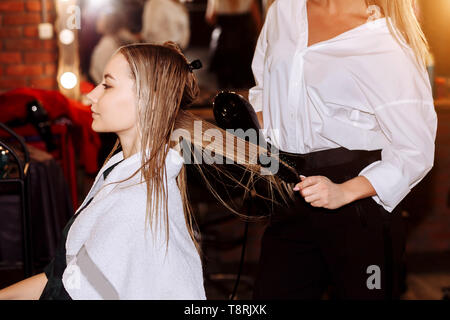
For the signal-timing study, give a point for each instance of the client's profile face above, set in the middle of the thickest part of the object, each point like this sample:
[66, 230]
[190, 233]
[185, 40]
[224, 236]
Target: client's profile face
[113, 100]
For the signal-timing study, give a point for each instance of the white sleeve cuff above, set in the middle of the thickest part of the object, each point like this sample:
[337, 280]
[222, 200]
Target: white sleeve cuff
[389, 183]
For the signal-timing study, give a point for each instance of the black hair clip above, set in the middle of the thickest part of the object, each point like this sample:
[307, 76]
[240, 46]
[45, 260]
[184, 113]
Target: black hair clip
[195, 65]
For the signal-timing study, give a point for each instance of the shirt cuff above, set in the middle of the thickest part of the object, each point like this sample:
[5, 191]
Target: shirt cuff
[389, 183]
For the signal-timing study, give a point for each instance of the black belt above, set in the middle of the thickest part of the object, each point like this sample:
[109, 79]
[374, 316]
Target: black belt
[304, 164]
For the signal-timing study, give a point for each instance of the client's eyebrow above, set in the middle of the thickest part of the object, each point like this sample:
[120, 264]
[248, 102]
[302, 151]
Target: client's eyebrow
[108, 75]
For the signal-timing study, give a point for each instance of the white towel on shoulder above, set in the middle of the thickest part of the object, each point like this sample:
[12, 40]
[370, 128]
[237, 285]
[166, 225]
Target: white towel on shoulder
[110, 234]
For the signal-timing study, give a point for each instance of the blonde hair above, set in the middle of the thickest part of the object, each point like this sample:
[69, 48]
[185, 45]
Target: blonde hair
[164, 85]
[404, 25]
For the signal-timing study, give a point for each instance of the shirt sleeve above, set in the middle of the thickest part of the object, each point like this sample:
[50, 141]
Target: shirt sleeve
[410, 127]
[256, 93]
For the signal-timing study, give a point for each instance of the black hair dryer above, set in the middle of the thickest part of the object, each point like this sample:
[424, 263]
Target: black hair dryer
[38, 117]
[232, 111]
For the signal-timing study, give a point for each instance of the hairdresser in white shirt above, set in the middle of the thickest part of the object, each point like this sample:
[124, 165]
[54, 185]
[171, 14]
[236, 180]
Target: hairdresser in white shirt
[341, 86]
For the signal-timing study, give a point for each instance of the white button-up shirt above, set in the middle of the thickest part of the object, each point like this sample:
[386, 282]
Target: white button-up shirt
[361, 90]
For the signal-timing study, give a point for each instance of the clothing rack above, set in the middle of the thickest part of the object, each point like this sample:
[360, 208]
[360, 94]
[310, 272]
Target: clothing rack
[20, 186]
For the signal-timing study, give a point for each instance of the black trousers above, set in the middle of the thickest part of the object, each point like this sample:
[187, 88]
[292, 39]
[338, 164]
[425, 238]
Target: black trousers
[357, 250]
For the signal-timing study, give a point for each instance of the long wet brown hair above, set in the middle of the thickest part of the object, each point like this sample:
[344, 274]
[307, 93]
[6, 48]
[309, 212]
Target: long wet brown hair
[165, 86]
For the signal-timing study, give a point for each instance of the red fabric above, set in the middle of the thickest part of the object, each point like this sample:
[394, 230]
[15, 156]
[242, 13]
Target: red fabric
[86, 87]
[12, 106]
[90, 141]
[12, 103]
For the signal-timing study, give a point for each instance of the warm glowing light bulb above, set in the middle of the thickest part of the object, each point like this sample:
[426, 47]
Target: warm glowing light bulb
[68, 80]
[97, 4]
[66, 36]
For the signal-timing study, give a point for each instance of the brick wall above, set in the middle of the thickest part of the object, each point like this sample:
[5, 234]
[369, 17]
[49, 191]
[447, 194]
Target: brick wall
[26, 60]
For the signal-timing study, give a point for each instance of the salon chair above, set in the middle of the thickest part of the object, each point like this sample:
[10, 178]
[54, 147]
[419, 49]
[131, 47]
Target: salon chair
[15, 180]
